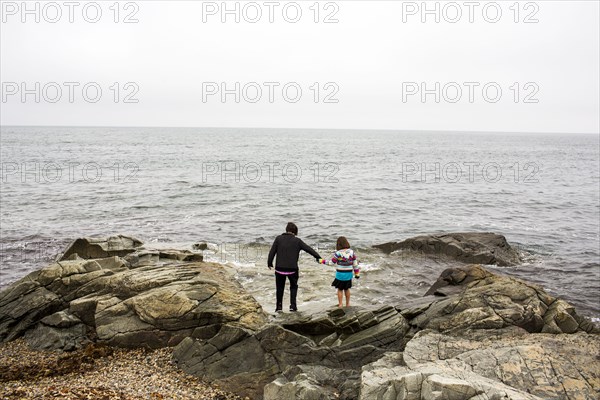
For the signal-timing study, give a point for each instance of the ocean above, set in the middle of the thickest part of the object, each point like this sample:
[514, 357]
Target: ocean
[237, 189]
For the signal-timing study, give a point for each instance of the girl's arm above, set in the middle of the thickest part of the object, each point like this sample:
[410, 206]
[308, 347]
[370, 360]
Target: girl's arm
[356, 268]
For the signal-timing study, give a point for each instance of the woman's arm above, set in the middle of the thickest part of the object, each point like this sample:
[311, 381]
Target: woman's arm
[272, 253]
[334, 260]
[309, 250]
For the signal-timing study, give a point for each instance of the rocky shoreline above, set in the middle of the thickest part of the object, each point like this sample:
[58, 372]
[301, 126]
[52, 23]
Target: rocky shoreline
[474, 335]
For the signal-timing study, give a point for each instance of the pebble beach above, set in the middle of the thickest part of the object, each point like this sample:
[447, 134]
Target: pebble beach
[98, 372]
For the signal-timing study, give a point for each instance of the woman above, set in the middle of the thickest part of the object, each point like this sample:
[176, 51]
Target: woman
[287, 248]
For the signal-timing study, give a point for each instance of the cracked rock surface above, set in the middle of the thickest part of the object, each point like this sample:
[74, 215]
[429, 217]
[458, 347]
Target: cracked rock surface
[141, 300]
[312, 354]
[485, 336]
[509, 365]
[475, 335]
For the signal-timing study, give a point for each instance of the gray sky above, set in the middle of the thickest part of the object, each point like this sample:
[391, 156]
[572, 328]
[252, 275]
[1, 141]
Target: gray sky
[375, 61]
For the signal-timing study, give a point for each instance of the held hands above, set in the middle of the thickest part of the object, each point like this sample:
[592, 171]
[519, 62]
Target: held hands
[321, 261]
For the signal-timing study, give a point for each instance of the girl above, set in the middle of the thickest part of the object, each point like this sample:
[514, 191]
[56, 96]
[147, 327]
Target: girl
[346, 265]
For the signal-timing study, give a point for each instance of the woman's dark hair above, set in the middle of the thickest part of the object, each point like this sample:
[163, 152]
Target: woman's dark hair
[291, 228]
[342, 243]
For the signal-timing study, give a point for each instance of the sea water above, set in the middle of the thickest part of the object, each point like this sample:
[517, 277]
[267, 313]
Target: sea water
[237, 188]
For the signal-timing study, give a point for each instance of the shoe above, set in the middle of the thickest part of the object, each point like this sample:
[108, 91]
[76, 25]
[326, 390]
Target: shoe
[293, 308]
[278, 309]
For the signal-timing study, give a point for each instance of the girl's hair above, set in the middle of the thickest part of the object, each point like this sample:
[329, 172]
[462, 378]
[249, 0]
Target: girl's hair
[342, 243]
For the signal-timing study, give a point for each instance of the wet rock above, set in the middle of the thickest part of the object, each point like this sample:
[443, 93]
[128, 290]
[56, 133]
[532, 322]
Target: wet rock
[89, 248]
[468, 247]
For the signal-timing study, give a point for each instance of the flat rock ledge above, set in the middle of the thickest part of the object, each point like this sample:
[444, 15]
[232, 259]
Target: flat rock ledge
[467, 247]
[475, 334]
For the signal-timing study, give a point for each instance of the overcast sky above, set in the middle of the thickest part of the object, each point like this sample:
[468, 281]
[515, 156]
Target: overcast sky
[370, 67]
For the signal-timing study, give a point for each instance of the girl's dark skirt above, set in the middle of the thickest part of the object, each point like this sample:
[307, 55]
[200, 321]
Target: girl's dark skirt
[341, 285]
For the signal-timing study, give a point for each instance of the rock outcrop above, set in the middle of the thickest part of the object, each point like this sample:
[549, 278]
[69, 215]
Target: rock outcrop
[149, 298]
[482, 300]
[474, 335]
[511, 364]
[90, 248]
[337, 341]
[467, 247]
[491, 337]
[505, 326]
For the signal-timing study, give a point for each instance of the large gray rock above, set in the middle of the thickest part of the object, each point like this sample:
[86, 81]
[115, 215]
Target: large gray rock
[482, 300]
[467, 247]
[489, 337]
[90, 248]
[475, 335]
[339, 339]
[127, 303]
[472, 305]
[511, 364]
[389, 379]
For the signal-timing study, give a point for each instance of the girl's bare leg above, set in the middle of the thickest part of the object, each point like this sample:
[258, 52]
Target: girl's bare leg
[347, 292]
[340, 294]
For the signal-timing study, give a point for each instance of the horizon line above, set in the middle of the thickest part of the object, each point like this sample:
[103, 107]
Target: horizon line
[390, 130]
